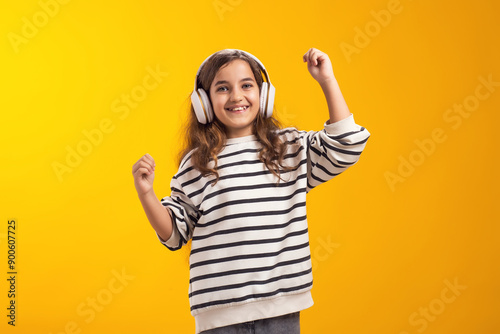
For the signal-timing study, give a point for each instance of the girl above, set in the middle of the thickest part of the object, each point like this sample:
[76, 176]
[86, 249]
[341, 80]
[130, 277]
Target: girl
[240, 194]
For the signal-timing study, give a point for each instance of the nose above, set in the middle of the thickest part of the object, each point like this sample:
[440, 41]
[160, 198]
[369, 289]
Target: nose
[236, 95]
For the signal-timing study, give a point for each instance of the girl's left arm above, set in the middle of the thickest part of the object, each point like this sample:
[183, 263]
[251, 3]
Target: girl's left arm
[320, 67]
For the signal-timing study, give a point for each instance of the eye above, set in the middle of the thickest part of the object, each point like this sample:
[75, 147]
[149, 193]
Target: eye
[247, 86]
[221, 88]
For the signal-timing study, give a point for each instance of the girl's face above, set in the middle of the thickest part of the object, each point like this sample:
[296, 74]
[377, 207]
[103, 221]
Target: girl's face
[235, 98]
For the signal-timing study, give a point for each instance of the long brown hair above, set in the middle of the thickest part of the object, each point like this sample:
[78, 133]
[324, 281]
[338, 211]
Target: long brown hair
[206, 141]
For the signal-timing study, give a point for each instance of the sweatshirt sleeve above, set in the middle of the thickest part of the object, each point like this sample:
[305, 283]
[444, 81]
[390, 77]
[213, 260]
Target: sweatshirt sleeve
[184, 216]
[333, 149]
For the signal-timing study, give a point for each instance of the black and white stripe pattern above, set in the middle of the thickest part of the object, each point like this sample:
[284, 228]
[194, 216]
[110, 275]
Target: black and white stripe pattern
[249, 235]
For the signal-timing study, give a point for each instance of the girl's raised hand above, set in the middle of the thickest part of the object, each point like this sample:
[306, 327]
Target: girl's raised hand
[319, 65]
[144, 174]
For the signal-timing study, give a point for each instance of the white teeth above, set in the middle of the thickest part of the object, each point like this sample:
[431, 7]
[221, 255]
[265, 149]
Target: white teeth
[238, 109]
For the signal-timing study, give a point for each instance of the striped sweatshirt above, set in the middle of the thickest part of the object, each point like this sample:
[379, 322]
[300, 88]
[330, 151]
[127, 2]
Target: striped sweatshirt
[250, 256]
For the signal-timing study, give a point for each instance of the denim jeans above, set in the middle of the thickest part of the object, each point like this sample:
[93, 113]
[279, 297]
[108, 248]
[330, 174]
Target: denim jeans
[285, 324]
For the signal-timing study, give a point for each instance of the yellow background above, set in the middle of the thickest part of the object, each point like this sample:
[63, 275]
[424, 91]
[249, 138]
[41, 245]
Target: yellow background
[383, 254]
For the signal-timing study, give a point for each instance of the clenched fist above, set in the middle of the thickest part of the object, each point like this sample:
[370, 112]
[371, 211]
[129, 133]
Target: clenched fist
[144, 174]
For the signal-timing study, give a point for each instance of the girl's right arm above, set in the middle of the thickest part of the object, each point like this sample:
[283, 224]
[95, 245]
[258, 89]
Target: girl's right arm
[158, 215]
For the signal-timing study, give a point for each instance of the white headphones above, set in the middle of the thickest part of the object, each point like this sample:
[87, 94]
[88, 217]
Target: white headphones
[201, 102]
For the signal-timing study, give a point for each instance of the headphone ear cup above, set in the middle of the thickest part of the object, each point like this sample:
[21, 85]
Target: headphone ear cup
[263, 99]
[202, 106]
[197, 107]
[267, 99]
[207, 104]
[270, 100]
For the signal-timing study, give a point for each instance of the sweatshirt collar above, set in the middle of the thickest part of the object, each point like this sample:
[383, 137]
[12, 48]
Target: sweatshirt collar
[238, 140]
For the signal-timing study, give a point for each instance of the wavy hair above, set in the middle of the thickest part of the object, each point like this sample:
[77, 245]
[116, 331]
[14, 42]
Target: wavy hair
[206, 141]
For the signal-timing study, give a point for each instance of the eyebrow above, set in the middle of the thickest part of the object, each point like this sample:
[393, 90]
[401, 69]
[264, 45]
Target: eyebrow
[222, 82]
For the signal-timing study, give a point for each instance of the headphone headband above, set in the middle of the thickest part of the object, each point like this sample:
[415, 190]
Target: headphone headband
[263, 68]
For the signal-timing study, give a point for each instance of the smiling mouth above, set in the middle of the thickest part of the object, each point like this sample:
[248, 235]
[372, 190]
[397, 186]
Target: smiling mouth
[237, 109]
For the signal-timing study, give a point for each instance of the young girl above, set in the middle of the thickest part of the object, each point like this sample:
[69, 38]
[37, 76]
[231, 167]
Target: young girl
[240, 194]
